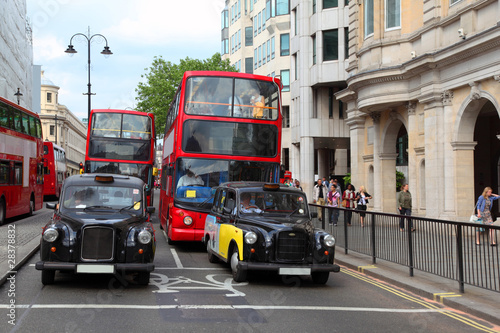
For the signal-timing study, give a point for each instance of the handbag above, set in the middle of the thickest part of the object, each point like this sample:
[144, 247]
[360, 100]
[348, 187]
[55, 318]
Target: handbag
[344, 203]
[474, 219]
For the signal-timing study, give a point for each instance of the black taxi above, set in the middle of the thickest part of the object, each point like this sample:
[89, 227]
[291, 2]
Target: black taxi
[99, 226]
[260, 226]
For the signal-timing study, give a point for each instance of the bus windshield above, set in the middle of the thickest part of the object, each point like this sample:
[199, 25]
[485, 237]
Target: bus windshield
[229, 97]
[230, 138]
[119, 149]
[195, 178]
[121, 125]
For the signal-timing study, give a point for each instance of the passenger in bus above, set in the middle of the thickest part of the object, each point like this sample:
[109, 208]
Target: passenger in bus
[257, 101]
[190, 179]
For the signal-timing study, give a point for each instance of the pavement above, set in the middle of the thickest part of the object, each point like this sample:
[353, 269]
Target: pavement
[479, 302]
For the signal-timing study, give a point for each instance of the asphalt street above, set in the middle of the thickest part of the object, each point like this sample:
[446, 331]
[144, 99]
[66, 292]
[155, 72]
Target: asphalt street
[187, 293]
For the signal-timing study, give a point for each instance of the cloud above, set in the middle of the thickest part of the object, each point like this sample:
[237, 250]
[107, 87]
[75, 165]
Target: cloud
[48, 48]
[164, 22]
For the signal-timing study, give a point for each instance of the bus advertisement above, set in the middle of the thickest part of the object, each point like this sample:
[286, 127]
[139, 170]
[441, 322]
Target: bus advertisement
[220, 127]
[21, 166]
[54, 169]
[122, 142]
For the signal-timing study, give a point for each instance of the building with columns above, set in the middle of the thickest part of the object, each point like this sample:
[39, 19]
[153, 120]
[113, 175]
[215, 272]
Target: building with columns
[61, 126]
[423, 98]
[16, 53]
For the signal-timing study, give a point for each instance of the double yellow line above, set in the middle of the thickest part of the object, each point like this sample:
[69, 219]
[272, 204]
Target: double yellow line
[422, 302]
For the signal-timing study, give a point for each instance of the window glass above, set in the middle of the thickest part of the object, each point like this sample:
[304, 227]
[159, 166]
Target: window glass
[25, 127]
[18, 173]
[368, 17]
[136, 127]
[330, 45]
[208, 96]
[130, 169]
[115, 197]
[4, 116]
[17, 120]
[248, 36]
[106, 124]
[314, 49]
[122, 150]
[330, 4]
[196, 178]
[4, 172]
[284, 44]
[274, 204]
[45, 150]
[285, 80]
[249, 65]
[33, 129]
[38, 128]
[392, 14]
[272, 47]
[282, 7]
[216, 137]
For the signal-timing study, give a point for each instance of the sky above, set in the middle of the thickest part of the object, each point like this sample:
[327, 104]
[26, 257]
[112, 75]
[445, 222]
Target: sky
[136, 31]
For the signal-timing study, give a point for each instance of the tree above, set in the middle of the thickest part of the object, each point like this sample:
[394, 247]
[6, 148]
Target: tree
[161, 82]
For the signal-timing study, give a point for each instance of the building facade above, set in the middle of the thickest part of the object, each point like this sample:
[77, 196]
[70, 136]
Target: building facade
[423, 99]
[255, 37]
[319, 134]
[16, 53]
[61, 126]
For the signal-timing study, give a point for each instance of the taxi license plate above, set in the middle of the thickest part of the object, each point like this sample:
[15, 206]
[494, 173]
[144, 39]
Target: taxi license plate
[295, 271]
[95, 269]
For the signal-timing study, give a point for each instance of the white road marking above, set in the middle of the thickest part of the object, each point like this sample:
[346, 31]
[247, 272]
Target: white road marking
[186, 268]
[176, 258]
[219, 307]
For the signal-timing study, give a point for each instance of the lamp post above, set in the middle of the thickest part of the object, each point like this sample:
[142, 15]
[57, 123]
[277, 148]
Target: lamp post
[18, 94]
[106, 51]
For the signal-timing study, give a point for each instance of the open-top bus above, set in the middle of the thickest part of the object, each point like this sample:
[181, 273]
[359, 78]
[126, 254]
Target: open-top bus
[21, 166]
[220, 127]
[54, 168]
[122, 142]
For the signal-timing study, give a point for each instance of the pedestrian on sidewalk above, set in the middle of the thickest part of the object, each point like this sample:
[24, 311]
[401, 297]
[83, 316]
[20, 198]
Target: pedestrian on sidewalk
[404, 206]
[361, 201]
[348, 198]
[484, 204]
[319, 196]
[333, 201]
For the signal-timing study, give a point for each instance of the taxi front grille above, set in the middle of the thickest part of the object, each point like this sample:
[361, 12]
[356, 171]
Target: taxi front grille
[97, 243]
[291, 246]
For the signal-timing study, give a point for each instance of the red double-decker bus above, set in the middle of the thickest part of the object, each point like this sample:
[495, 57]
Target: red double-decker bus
[21, 166]
[220, 127]
[122, 142]
[54, 169]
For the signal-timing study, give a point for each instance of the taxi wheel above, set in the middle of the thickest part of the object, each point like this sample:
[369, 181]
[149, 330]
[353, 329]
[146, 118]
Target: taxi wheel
[239, 275]
[211, 257]
[48, 277]
[320, 277]
[143, 278]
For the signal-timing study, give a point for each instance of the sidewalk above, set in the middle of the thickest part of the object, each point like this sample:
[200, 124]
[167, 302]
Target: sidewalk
[475, 301]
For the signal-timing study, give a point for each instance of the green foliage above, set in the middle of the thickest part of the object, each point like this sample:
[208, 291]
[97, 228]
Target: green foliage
[163, 78]
[347, 179]
[399, 180]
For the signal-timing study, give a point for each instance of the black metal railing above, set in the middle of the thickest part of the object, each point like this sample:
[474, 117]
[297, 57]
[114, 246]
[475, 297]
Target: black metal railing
[443, 248]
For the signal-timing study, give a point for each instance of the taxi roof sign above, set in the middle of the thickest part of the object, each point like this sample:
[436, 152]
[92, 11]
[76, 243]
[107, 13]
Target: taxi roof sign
[104, 179]
[271, 187]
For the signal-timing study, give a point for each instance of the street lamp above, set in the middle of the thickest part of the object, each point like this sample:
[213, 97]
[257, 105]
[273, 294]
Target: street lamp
[18, 94]
[106, 51]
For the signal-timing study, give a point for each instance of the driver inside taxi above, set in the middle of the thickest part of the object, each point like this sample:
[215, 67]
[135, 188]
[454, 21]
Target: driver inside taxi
[246, 206]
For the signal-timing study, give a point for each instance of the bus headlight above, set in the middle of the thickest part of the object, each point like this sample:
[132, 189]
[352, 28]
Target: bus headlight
[50, 235]
[188, 220]
[329, 241]
[144, 237]
[250, 237]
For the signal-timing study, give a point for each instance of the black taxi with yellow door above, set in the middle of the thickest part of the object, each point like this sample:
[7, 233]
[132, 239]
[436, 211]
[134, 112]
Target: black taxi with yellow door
[261, 226]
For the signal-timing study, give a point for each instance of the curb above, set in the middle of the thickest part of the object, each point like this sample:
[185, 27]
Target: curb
[21, 262]
[424, 293]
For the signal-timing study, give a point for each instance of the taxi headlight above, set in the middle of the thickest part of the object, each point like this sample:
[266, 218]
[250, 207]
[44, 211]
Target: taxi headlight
[188, 220]
[50, 235]
[250, 237]
[144, 237]
[329, 240]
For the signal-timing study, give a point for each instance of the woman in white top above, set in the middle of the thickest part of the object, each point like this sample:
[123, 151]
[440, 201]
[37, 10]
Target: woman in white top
[362, 200]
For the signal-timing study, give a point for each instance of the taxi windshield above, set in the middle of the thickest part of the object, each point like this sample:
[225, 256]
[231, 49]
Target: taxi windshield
[276, 204]
[107, 197]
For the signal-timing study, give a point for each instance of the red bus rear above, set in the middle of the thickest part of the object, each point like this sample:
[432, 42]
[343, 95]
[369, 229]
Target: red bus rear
[21, 167]
[220, 127]
[122, 142]
[54, 168]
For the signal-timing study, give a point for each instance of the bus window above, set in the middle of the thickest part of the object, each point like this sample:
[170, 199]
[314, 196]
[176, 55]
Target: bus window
[4, 172]
[25, 123]
[33, 129]
[136, 127]
[209, 96]
[17, 121]
[4, 116]
[18, 173]
[106, 125]
[38, 128]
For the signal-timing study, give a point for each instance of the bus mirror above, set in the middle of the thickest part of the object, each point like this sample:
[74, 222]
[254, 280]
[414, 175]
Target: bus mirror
[155, 171]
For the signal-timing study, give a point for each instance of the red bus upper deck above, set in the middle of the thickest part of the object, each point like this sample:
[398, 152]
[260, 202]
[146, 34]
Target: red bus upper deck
[220, 127]
[21, 166]
[122, 142]
[54, 168]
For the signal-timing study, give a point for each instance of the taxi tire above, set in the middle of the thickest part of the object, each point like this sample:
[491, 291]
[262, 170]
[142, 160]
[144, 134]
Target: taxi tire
[320, 277]
[211, 257]
[143, 278]
[239, 275]
[48, 277]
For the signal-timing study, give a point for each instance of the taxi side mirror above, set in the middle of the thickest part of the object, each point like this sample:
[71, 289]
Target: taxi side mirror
[49, 205]
[150, 209]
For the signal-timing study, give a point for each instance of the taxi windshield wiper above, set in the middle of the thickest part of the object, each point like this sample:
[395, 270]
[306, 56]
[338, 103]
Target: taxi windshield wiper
[129, 207]
[98, 207]
[289, 215]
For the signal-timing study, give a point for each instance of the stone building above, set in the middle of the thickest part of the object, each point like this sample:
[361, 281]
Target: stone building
[16, 53]
[61, 126]
[423, 98]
